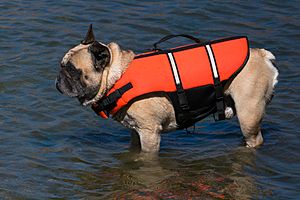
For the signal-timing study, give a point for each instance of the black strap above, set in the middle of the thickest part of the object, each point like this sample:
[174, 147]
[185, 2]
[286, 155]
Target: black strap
[173, 36]
[218, 88]
[219, 102]
[111, 99]
[182, 99]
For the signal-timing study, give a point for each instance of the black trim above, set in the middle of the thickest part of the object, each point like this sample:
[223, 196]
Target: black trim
[244, 63]
[189, 46]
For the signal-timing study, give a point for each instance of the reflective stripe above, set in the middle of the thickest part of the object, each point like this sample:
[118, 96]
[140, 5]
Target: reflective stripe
[194, 70]
[174, 68]
[212, 61]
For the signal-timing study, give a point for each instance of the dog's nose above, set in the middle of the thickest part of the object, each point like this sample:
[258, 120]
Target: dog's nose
[57, 87]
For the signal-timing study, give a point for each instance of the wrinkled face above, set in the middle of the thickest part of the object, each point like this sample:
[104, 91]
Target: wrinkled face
[81, 69]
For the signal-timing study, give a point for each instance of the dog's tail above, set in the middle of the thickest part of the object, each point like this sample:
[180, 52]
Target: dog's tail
[270, 61]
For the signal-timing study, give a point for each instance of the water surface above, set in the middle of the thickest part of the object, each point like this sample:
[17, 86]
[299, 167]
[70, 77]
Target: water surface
[53, 148]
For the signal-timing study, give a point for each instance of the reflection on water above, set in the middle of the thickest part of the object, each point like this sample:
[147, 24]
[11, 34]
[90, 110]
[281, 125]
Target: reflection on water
[159, 177]
[53, 148]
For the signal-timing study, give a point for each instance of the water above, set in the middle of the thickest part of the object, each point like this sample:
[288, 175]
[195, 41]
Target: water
[53, 148]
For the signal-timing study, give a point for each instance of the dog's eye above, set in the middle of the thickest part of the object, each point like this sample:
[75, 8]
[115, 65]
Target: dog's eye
[72, 71]
[86, 77]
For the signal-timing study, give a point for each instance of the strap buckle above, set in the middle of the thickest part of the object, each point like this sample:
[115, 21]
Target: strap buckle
[111, 99]
[183, 102]
[219, 102]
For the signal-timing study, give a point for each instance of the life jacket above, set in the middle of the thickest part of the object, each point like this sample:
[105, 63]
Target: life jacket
[193, 77]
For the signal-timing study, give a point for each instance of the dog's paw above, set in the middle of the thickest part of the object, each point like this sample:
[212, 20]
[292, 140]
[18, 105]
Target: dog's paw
[255, 142]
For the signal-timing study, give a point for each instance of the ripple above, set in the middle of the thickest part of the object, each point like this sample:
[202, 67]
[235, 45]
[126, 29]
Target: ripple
[53, 148]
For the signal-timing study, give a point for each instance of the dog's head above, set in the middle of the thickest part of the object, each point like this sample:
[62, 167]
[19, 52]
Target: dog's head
[85, 69]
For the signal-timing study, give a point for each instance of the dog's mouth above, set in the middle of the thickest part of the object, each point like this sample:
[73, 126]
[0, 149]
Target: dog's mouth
[87, 102]
[64, 88]
[89, 97]
[84, 101]
[85, 94]
[57, 86]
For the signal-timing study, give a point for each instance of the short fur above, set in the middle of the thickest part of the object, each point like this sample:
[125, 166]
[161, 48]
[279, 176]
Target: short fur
[152, 114]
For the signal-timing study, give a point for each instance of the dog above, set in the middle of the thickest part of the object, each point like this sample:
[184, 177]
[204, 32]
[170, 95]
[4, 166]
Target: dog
[90, 69]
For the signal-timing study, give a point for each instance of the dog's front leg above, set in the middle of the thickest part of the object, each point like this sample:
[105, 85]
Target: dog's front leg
[145, 131]
[149, 116]
[149, 139]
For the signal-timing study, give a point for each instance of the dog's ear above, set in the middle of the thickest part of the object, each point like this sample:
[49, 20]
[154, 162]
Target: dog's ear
[89, 37]
[101, 54]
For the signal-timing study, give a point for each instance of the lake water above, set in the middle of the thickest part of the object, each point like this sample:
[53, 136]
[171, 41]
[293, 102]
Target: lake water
[52, 148]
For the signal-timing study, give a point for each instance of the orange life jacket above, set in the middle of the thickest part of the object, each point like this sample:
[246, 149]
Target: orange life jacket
[193, 76]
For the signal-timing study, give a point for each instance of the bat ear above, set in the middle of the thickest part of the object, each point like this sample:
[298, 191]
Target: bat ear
[101, 54]
[89, 37]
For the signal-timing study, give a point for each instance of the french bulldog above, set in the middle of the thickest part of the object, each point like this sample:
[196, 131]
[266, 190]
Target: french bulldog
[90, 69]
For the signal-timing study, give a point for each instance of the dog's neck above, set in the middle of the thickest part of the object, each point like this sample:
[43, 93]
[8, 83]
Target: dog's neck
[120, 60]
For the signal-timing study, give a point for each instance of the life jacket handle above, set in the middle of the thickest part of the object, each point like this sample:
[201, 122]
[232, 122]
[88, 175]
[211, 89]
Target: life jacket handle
[173, 36]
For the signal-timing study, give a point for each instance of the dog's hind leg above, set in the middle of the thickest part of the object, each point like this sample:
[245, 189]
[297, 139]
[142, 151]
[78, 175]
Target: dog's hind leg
[251, 90]
[250, 117]
[250, 112]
